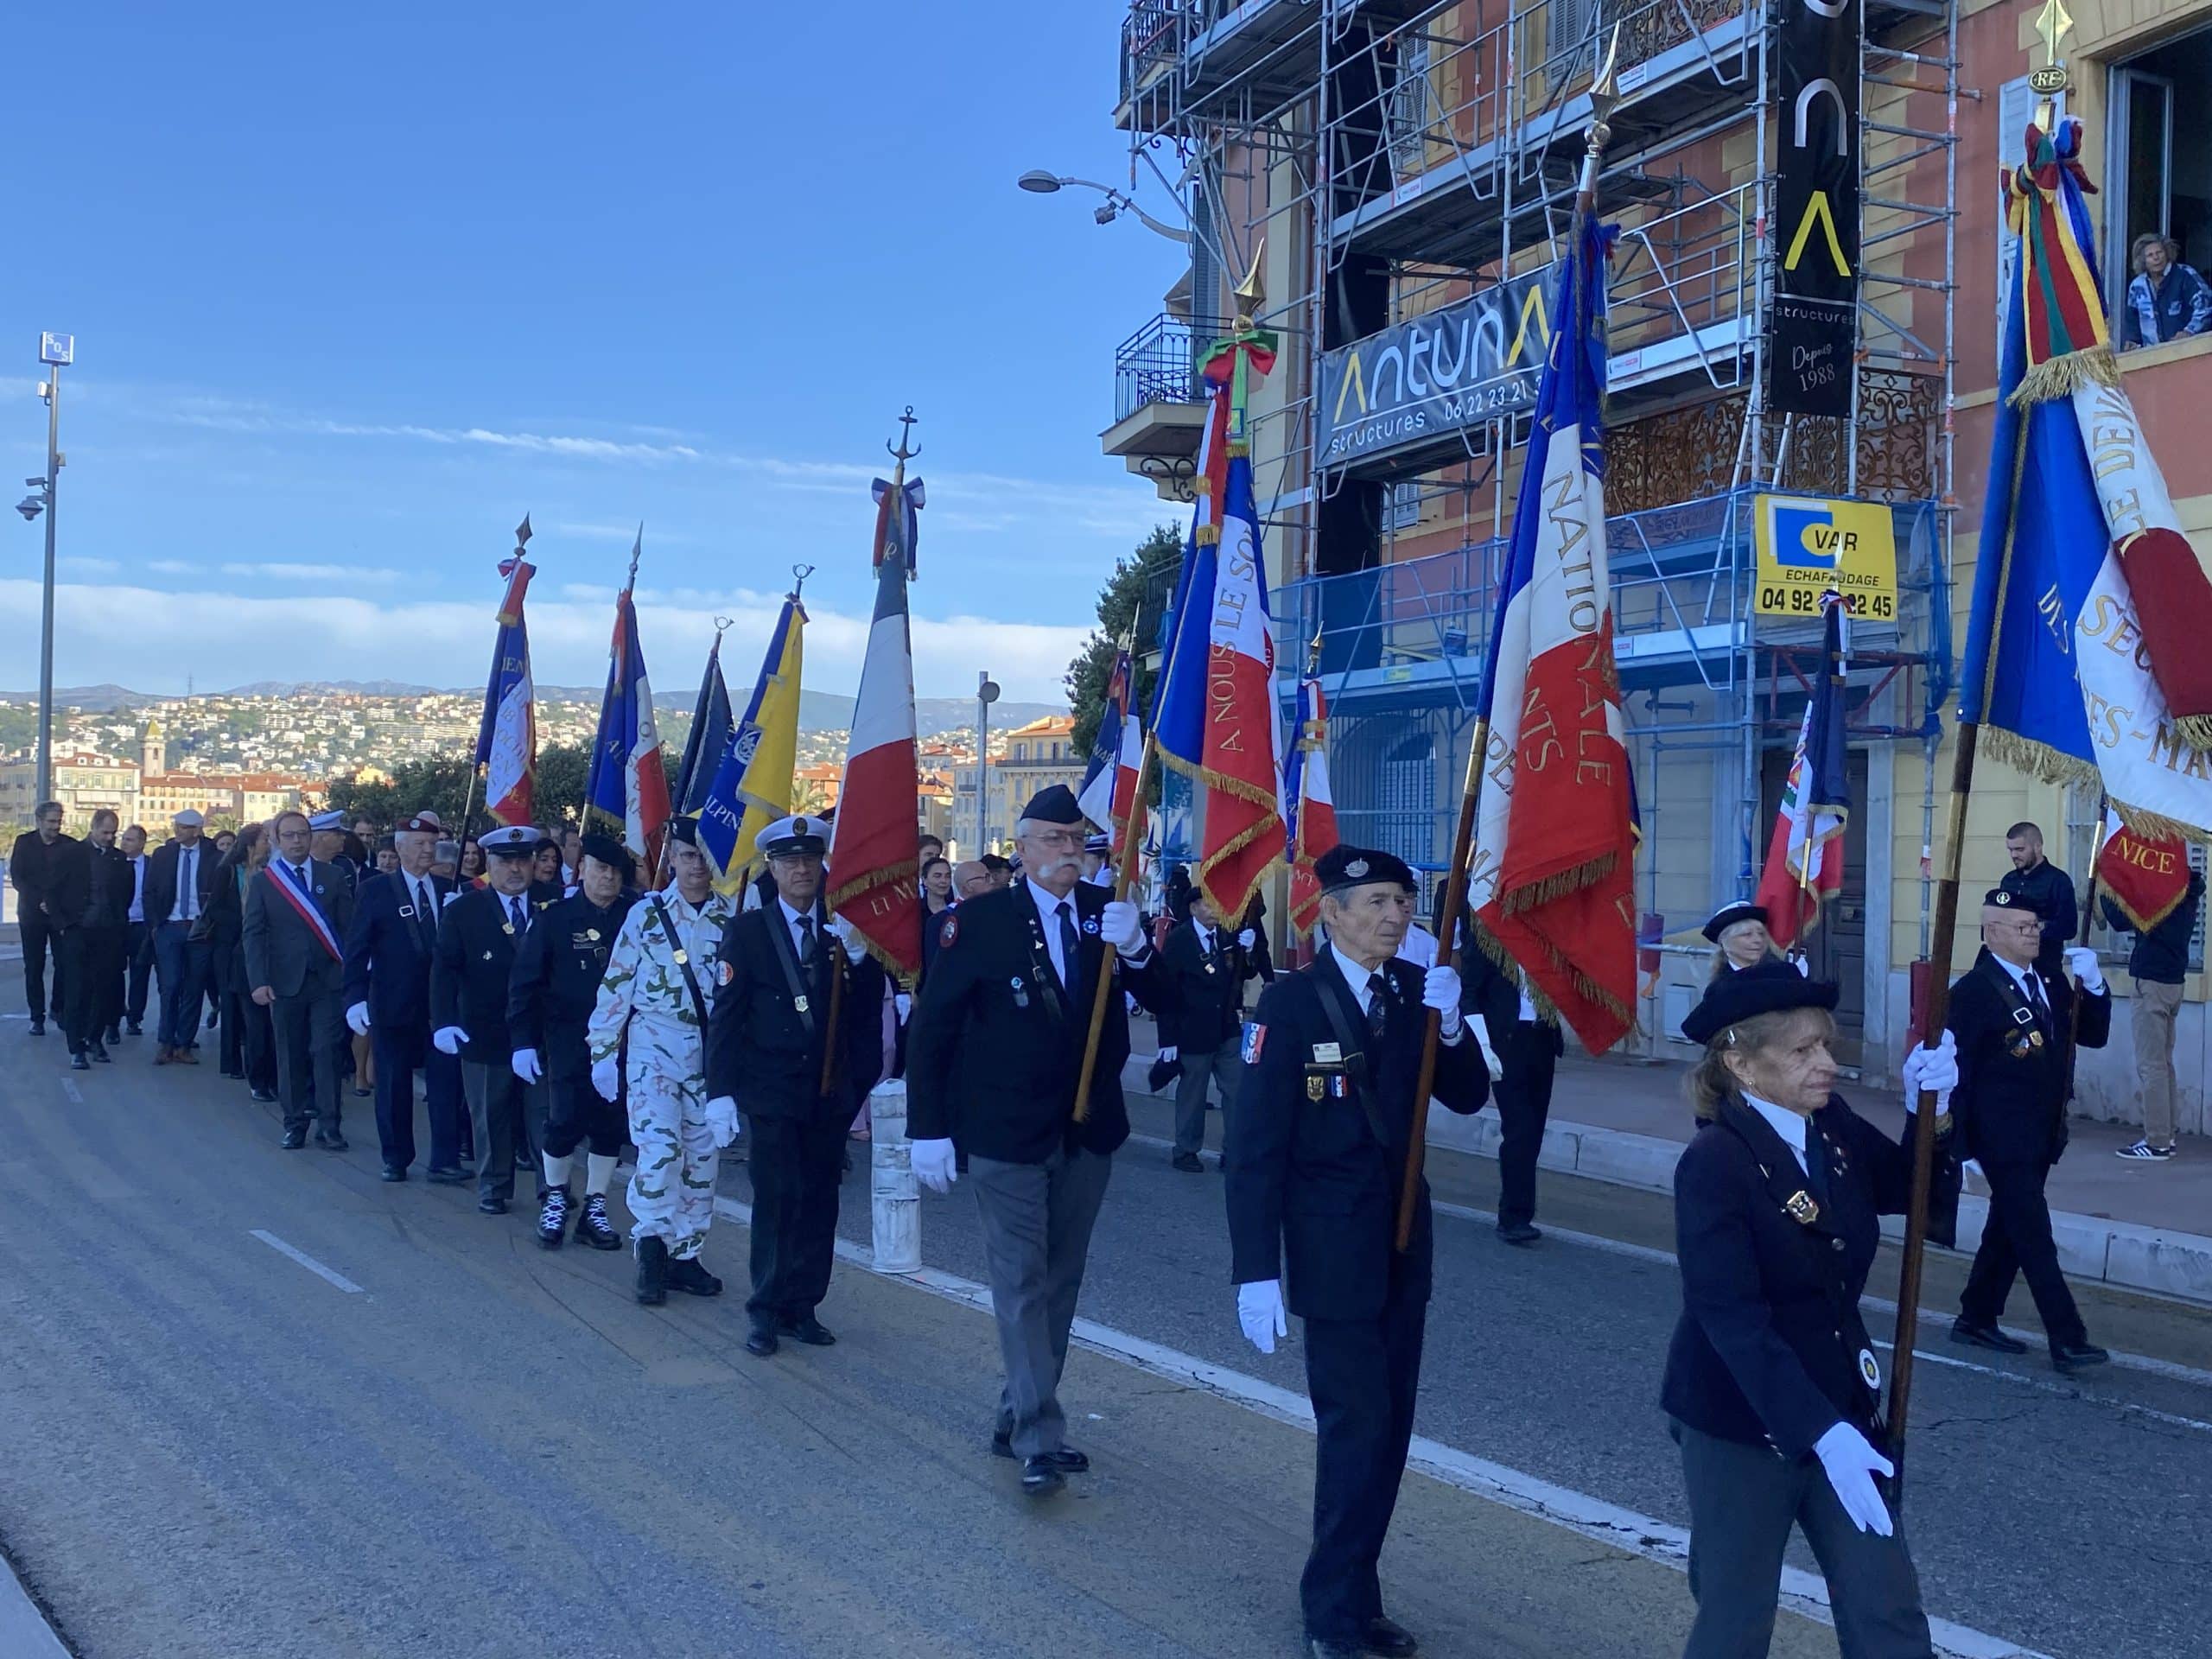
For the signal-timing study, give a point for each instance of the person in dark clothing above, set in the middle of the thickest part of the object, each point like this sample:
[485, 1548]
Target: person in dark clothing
[2166, 299]
[1255, 924]
[2048, 890]
[89, 898]
[30, 868]
[2159, 963]
[249, 1036]
[138, 942]
[1772, 1387]
[1522, 1045]
[1201, 976]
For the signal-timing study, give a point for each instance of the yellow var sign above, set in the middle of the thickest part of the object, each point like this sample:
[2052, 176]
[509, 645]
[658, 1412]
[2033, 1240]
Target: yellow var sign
[1807, 545]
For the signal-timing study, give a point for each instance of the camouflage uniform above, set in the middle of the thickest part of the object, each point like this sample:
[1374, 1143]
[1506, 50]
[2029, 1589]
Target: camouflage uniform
[672, 1194]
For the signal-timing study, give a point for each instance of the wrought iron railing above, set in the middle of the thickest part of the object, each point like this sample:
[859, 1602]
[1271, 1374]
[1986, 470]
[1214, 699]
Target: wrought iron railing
[1159, 363]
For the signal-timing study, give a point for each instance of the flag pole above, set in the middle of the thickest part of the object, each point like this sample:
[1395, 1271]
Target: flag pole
[901, 454]
[1605, 94]
[2089, 915]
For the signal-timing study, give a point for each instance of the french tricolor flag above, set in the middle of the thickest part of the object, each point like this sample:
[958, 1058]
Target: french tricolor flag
[629, 783]
[1313, 809]
[1109, 786]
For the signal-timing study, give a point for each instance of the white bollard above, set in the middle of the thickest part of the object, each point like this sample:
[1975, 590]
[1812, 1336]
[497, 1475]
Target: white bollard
[896, 1195]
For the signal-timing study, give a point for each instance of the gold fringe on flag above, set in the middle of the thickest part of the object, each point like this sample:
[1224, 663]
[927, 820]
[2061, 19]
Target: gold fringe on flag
[2062, 377]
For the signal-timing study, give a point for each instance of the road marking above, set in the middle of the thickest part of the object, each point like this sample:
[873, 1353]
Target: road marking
[307, 1261]
[2060, 1389]
[1805, 1594]
[2171, 1370]
[69, 1088]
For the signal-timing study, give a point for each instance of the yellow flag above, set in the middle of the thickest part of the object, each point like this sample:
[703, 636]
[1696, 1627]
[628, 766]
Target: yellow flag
[753, 787]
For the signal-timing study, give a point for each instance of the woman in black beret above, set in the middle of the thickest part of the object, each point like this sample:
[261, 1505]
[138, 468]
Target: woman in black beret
[1772, 1385]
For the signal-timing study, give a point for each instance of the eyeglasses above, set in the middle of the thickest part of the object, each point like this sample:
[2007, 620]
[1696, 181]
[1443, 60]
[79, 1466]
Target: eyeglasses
[1062, 840]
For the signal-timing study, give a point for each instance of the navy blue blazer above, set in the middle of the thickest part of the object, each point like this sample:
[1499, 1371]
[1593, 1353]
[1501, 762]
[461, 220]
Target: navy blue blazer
[386, 966]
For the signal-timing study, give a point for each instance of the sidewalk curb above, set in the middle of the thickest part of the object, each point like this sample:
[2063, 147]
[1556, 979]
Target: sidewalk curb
[24, 1633]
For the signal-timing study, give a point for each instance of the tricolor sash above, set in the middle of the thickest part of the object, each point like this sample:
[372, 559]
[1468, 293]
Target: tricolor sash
[307, 910]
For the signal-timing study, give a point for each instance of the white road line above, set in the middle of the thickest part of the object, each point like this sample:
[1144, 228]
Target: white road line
[2172, 1372]
[307, 1261]
[2060, 1389]
[1803, 1592]
[69, 1088]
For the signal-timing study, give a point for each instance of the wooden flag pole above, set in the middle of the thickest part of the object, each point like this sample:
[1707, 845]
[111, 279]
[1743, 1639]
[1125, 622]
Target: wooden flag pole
[1101, 993]
[2089, 915]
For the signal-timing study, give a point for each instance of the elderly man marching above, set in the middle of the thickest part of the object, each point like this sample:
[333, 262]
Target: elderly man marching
[655, 991]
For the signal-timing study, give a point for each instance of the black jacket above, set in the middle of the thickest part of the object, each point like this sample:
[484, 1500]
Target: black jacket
[161, 879]
[387, 965]
[762, 1050]
[32, 863]
[555, 983]
[995, 1045]
[472, 976]
[2011, 1100]
[2161, 953]
[1314, 1167]
[2051, 891]
[91, 888]
[1496, 995]
[1199, 992]
[1770, 1345]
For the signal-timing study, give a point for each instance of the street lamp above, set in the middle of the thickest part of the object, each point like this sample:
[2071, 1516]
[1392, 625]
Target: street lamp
[1038, 181]
[55, 351]
[987, 693]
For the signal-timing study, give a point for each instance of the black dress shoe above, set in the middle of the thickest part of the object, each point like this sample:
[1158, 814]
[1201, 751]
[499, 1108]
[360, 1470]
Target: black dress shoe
[294, 1139]
[760, 1342]
[234, 1076]
[112, 1034]
[79, 1062]
[448, 1177]
[2078, 1357]
[38, 1026]
[1985, 1335]
[1040, 1479]
[1189, 1163]
[493, 1207]
[810, 1331]
[394, 1172]
[1523, 1233]
[332, 1141]
[100, 1056]
[1389, 1639]
[1067, 1460]
[264, 1095]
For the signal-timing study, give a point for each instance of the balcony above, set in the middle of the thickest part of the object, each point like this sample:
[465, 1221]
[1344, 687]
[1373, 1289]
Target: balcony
[1160, 402]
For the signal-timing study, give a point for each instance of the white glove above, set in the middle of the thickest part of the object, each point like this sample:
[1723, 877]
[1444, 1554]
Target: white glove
[1259, 1310]
[1440, 990]
[1480, 1026]
[1803, 965]
[1852, 1465]
[525, 1065]
[1248, 939]
[903, 1004]
[1935, 1069]
[721, 1119]
[2081, 963]
[1168, 1054]
[606, 1077]
[934, 1163]
[1119, 927]
[849, 937]
[448, 1038]
[358, 1018]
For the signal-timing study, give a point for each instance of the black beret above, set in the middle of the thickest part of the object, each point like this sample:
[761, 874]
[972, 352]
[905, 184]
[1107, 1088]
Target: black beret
[685, 830]
[1763, 988]
[2006, 898]
[1345, 867]
[1053, 805]
[1728, 915]
[611, 852]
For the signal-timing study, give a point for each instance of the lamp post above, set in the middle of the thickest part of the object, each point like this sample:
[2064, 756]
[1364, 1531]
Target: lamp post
[55, 351]
[987, 693]
[1039, 181]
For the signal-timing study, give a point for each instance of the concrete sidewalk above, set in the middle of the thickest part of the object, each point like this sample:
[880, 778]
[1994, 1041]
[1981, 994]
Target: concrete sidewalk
[2137, 1226]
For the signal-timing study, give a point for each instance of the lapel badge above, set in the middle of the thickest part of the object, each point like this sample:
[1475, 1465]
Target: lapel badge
[1801, 1209]
[592, 933]
[1870, 1373]
[725, 974]
[798, 1002]
[507, 928]
[682, 956]
[1316, 1087]
[1090, 926]
[487, 955]
[407, 911]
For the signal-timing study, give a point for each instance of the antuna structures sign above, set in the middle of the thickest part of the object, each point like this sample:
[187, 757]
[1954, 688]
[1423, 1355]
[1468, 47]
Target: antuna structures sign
[1813, 324]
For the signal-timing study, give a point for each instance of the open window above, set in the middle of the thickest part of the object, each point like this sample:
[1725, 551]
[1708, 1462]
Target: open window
[2158, 151]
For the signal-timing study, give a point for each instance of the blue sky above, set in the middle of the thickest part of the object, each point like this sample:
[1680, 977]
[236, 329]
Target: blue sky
[353, 289]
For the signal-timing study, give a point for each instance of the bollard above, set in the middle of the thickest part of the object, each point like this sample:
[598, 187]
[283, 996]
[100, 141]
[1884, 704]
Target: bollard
[896, 1196]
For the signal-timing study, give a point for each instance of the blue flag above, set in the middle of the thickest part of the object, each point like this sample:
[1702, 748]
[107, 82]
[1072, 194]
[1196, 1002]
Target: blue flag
[708, 738]
[628, 790]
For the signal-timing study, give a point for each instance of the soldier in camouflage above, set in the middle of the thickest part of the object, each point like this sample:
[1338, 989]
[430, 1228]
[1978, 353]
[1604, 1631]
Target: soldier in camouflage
[658, 978]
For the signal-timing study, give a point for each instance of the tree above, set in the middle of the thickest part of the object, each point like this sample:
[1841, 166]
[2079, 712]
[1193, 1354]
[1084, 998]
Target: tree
[438, 784]
[1119, 600]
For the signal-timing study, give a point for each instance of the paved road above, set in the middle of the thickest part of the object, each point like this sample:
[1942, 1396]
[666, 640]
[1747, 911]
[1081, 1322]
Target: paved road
[488, 1449]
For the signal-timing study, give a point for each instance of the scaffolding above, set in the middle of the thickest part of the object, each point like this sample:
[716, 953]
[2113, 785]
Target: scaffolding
[1396, 156]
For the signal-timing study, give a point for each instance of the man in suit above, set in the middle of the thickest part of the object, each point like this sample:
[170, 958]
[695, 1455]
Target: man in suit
[2013, 1022]
[766, 1036]
[993, 1060]
[1521, 1047]
[180, 885]
[31, 865]
[389, 950]
[88, 899]
[1317, 1157]
[470, 980]
[298, 911]
[1202, 973]
[550, 994]
[139, 946]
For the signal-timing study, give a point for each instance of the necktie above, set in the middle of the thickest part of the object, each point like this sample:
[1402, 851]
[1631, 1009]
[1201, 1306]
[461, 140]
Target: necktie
[426, 924]
[2036, 1000]
[188, 884]
[300, 878]
[1378, 1005]
[515, 913]
[1817, 1165]
[806, 952]
[1071, 949]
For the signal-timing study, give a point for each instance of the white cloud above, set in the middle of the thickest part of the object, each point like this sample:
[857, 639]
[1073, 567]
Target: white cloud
[343, 574]
[174, 568]
[71, 564]
[151, 640]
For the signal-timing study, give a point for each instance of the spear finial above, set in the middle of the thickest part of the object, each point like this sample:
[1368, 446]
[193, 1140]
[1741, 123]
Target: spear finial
[522, 533]
[636, 552]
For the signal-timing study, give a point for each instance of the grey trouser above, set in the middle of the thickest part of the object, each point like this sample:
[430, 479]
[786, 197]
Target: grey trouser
[1037, 1221]
[2156, 1005]
[1744, 1500]
[504, 1116]
[1222, 1064]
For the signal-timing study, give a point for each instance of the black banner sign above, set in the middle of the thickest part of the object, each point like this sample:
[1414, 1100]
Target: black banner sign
[1813, 323]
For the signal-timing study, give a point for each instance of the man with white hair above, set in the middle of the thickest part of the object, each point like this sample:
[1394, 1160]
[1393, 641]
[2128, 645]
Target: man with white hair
[180, 881]
[993, 1059]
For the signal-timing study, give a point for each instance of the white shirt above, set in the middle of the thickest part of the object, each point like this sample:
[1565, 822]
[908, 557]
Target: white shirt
[1048, 908]
[1357, 977]
[2033, 991]
[792, 918]
[1790, 1125]
[1205, 937]
[187, 907]
[138, 888]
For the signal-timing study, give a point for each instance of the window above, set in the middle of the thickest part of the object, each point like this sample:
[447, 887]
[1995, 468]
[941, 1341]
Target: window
[1403, 511]
[1408, 109]
[2157, 170]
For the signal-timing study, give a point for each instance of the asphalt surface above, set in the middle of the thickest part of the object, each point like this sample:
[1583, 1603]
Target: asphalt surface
[489, 1449]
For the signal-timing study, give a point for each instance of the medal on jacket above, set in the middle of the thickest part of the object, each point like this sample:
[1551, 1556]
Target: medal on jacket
[507, 928]
[1020, 992]
[1317, 1087]
[1801, 1209]
[682, 956]
[800, 1004]
[1869, 1372]
[592, 933]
